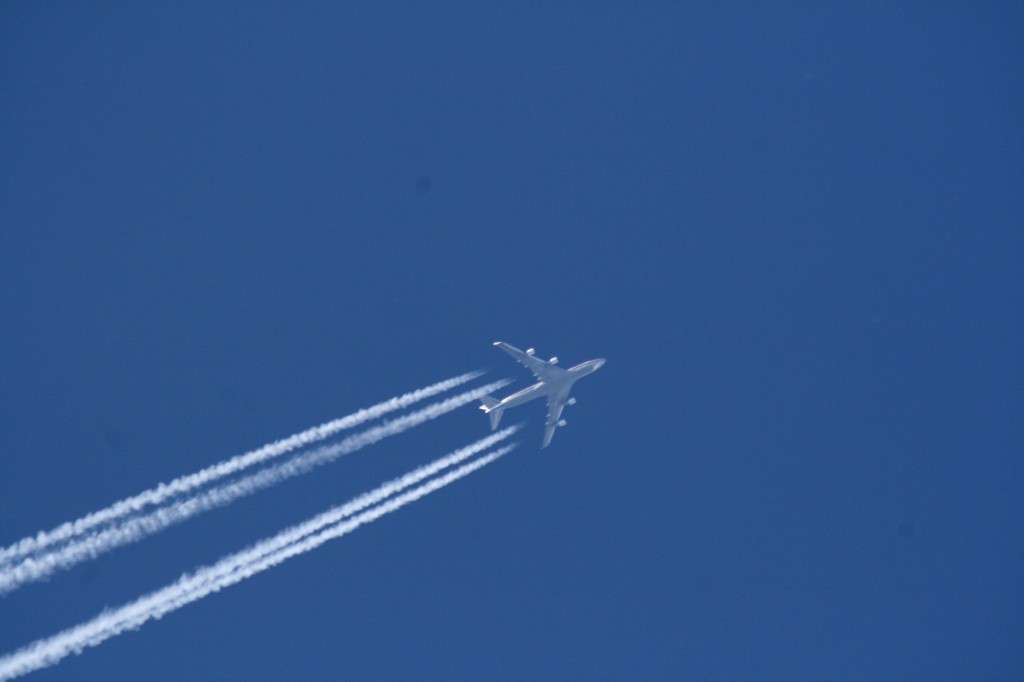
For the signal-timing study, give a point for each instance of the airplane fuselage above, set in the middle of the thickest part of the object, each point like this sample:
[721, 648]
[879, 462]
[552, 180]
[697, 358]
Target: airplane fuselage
[557, 386]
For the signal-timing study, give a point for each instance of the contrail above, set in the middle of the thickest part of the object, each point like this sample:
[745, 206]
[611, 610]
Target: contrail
[237, 567]
[136, 528]
[315, 532]
[185, 484]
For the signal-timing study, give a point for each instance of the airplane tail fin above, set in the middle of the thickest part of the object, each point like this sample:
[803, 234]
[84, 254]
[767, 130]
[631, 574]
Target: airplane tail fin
[488, 406]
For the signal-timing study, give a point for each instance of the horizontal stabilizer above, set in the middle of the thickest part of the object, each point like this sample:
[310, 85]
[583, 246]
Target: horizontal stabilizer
[490, 406]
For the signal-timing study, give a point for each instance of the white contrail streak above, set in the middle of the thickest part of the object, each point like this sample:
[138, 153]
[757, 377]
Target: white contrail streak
[136, 528]
[185, 484]
[237, 567]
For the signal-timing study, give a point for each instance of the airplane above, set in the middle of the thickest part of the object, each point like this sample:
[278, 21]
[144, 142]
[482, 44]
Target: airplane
[553, 382]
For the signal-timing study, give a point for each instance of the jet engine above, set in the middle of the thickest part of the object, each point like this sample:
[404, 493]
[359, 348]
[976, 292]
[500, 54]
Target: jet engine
[553, 360]
[530, 351]
[571, 401]
[562, 422]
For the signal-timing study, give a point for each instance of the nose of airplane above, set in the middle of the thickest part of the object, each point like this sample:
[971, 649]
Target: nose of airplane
[599, 363]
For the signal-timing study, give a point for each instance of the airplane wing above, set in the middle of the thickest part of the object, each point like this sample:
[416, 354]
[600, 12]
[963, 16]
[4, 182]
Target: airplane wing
[556, 403]
[549, 432]
[544, 370]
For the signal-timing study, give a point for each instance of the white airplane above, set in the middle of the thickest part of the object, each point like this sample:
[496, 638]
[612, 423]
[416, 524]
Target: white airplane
[553, 382]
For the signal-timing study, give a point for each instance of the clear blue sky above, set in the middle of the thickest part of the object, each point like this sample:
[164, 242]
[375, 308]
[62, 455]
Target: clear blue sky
[794, 230]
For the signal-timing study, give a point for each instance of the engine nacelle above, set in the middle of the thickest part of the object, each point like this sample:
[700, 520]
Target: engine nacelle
[530, 351]
[562, 422]
[553, 360]
[571, 401]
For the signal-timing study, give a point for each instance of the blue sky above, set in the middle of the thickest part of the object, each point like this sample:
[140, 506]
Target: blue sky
[793, 229]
